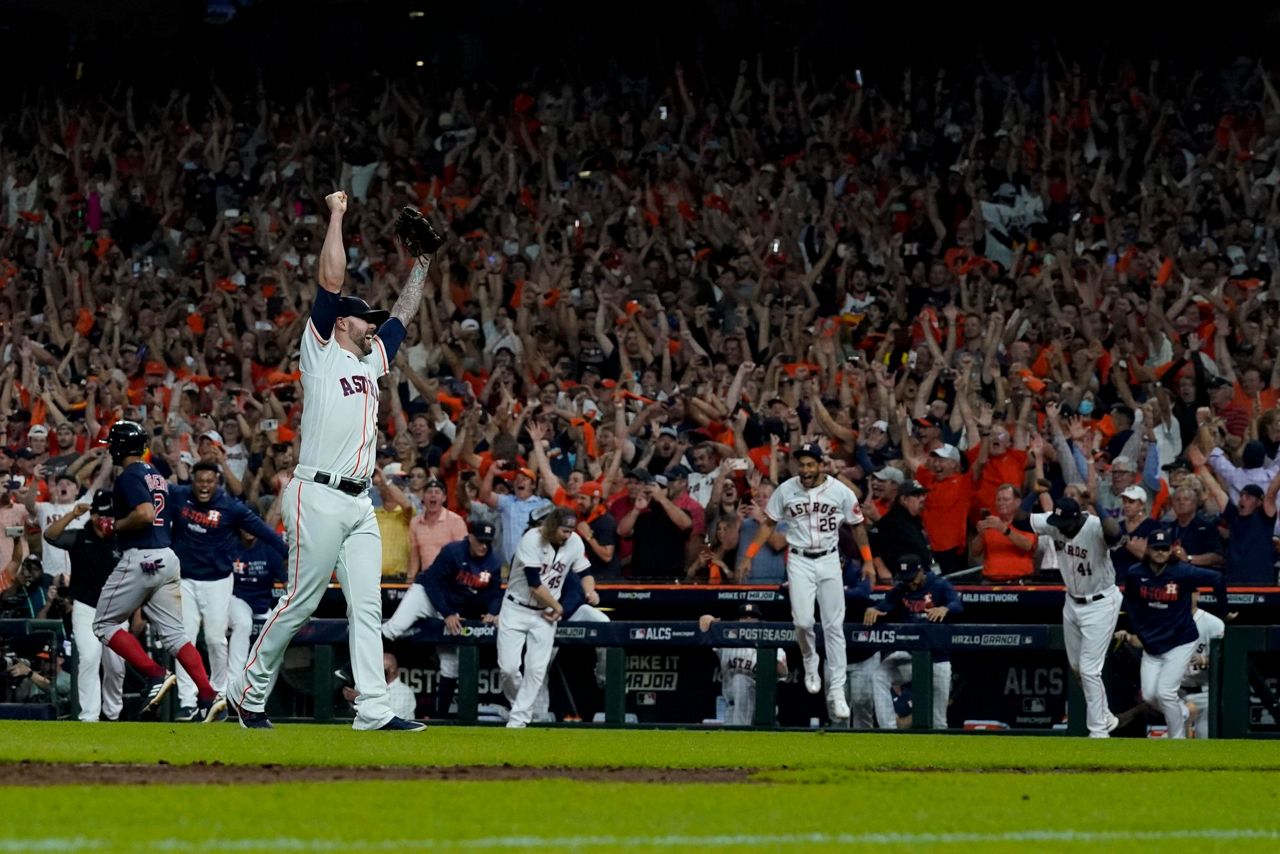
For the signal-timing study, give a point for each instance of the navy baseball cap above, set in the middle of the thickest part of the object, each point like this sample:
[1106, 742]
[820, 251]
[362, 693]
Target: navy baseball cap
[908, 567]
[641, 475]
[749, 609]
[483, 531]
[355, 307]
[910, 488]
[102, 502]
[677, 473]
[1161, 538]
[1065, 511]
[809, 449]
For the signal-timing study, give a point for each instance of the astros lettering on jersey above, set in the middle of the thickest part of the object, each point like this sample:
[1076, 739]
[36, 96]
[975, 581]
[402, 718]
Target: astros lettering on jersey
[340, 390]
[814, 515]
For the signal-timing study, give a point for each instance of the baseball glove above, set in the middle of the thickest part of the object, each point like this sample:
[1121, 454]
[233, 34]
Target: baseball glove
[416, 233]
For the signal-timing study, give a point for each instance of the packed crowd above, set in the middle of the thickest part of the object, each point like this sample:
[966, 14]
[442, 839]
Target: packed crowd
[977, 295]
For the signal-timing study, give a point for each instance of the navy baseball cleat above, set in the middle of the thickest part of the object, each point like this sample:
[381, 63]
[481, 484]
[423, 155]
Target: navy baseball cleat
[211, 711]
[156, 689]
[401, 725]
[248, 719]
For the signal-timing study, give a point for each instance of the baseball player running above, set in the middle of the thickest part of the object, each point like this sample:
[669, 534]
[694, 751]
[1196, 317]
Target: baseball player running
[328, 516]
[531, 608]
[147, 576]
[205, 538]
[1158, 593]
[814, 506]
[1082, 542]
[463, 582]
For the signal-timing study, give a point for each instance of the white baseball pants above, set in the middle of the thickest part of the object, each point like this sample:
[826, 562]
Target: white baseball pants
[1200, 722]
[819, 580]
[416, 605]
[869, 694]
[584, 614]
[1088, 631]
[524, 631]
[205, 602]
[1160, 676]
[328, 531]
[147, 579]
[740, 694]
[98, 695]
[240, 623]
[896, 669]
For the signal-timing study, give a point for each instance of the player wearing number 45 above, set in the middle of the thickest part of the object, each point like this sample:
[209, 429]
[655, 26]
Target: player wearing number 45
[531, 608]
[814, 507]
[1158, 595]
[1092, 605]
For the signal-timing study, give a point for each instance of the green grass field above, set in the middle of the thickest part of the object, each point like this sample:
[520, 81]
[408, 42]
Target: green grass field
[810, 791]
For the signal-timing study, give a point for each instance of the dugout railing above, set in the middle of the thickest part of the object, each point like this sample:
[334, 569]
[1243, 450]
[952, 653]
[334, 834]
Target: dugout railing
[921, 640]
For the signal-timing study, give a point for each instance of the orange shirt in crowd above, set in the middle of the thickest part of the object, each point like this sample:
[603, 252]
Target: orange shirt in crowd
[1266, 398]
[1002, 560]
[946, 509]
[1009, 467]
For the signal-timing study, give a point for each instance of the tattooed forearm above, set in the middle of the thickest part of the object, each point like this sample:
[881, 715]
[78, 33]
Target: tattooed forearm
[406, 306]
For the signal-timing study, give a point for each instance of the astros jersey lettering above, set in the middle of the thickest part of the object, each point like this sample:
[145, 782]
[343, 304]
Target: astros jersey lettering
[1085, 558]
[340, 419]
[814, 516]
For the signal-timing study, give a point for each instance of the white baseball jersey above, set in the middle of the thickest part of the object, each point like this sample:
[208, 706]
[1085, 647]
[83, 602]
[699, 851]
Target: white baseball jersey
[1085, 559]
[701, 485]
[814, 516]
[56, 561]
[741, 661]
[340, 419]
[1209, 627]
[553, 565]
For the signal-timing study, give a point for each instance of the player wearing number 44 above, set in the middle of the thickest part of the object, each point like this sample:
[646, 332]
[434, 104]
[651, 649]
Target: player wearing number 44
[815, 506]
[1092, 605]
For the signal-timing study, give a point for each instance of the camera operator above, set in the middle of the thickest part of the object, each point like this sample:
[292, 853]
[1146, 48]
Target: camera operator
[41, 681]
[32, 595]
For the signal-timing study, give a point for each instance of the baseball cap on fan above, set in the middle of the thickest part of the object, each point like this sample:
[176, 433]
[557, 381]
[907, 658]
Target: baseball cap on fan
[350, 306]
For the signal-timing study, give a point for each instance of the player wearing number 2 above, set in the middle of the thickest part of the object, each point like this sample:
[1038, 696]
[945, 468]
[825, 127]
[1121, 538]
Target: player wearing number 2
[1089, 613]
[147, 576]
[814, 507]
[531, 608]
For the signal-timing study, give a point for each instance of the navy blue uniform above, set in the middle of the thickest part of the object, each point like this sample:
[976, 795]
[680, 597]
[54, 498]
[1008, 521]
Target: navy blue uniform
[912, 604]
[255, 570]
[206, 537]
[1160, 605]
[140, 483]
[457, 582]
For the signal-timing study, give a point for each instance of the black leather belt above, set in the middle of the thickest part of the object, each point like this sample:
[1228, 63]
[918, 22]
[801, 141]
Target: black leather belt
[809, 553]
[349, 485]
[1087, 600]
[511, 598]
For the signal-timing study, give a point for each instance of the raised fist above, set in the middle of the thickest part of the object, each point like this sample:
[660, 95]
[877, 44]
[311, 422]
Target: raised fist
[337, 202]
